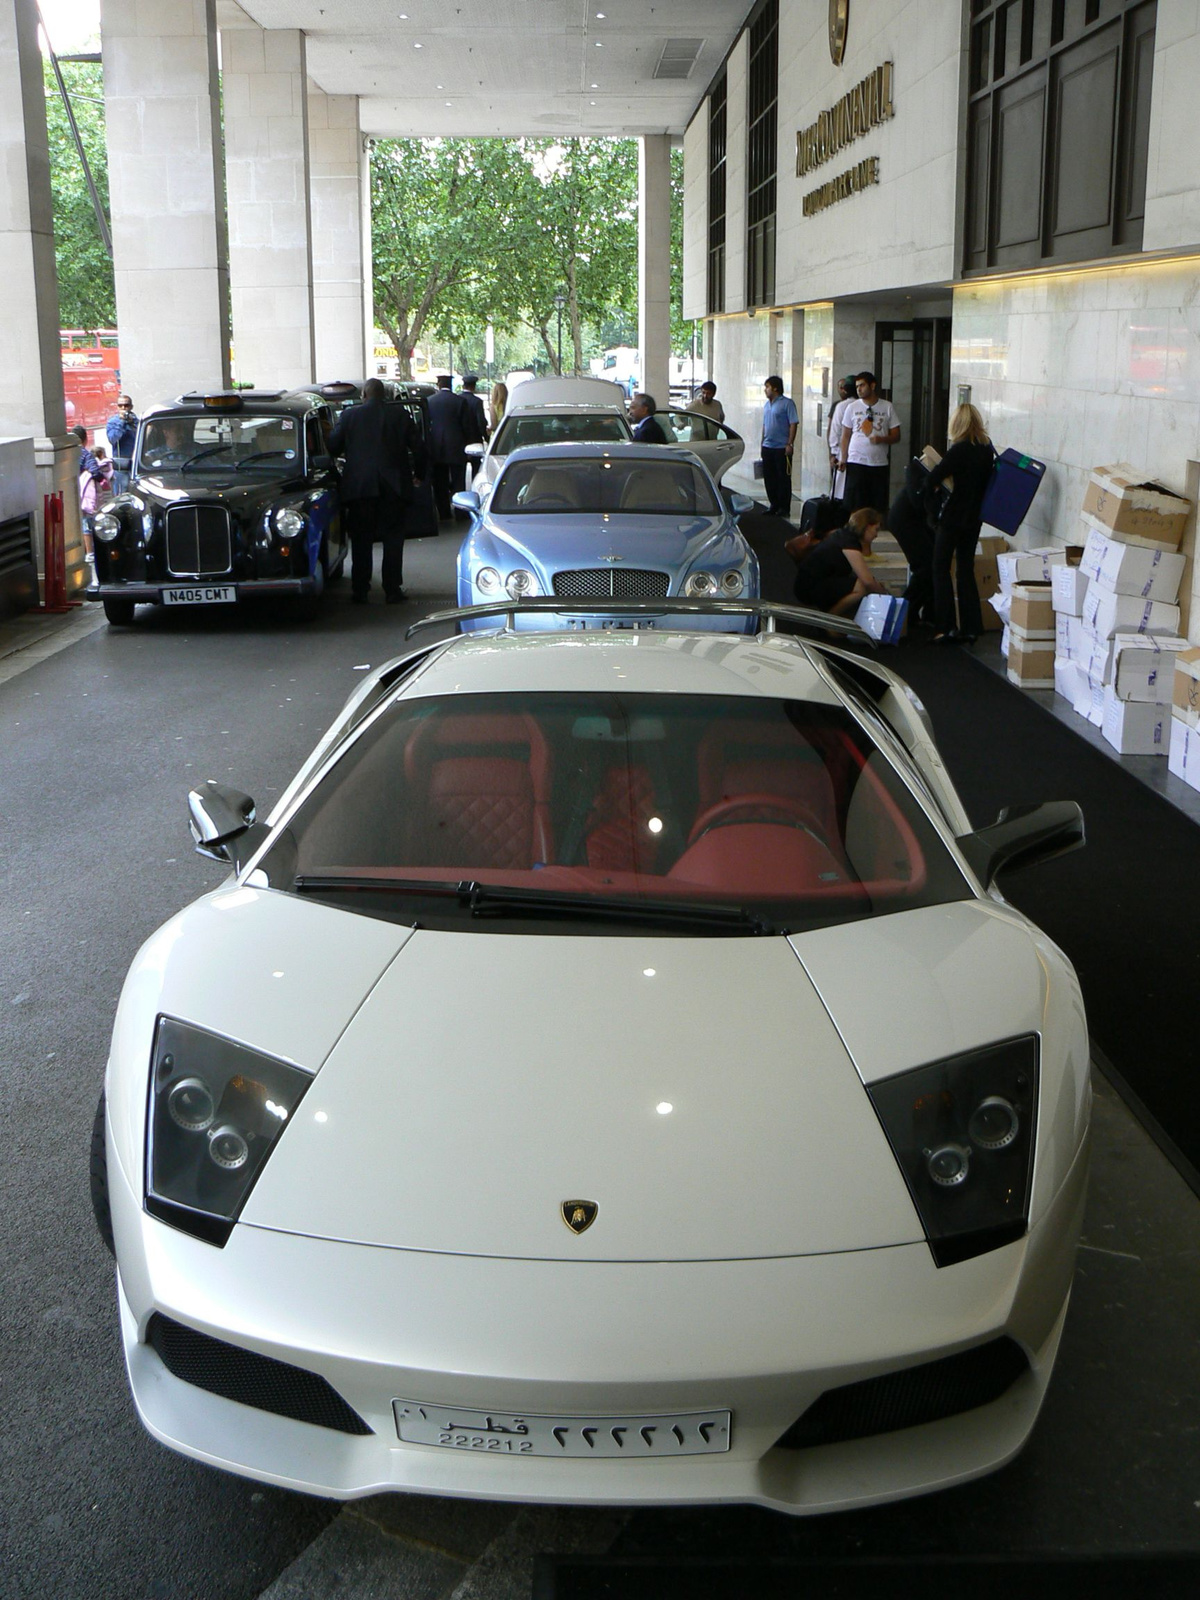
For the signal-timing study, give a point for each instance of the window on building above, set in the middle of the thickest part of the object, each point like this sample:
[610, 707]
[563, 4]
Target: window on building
[1058, 121]
[762, 148]
[716, 196]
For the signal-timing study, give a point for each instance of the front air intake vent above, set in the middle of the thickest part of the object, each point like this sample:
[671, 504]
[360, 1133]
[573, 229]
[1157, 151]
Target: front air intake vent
[927, 1393]
[250, 1379]
[678, 58]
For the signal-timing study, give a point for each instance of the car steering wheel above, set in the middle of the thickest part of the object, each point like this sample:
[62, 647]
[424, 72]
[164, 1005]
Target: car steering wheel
[788, 813]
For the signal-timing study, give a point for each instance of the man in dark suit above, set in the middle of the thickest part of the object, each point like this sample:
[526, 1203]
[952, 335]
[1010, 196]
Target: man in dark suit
[450, 428]
[385, 455]
[479, 430]
[646, 430]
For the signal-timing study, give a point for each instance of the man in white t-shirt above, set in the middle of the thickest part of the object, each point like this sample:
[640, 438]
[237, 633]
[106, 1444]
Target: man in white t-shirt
[869, 426]
[846, 397]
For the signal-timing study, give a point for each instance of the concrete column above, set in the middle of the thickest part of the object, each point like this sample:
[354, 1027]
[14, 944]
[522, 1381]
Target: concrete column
[31, 399]
[368, 271]
[654, 263]
[335, 155]
[270, 223]
[163, 119]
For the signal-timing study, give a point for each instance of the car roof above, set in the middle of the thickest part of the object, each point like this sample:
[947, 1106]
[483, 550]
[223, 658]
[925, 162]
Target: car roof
[572, 390]
[769, 666]
[262, 402]
[574, 408]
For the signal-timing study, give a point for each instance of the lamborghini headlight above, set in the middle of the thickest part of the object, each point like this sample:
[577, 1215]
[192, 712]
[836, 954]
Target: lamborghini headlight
[962, 1131]
[216, 1110]
[700, 586]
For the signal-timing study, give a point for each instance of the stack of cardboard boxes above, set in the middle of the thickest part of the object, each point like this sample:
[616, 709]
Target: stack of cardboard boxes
[1184, 754]
[1023, 605]
[1116, 621]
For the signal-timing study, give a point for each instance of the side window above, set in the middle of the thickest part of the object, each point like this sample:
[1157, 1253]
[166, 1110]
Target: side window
[314, 442]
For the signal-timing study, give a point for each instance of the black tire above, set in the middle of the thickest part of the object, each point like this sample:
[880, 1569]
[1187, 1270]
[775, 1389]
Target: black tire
[98, 1175]
[119, 612]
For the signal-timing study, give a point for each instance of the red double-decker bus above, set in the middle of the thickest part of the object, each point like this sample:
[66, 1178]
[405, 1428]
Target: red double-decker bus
[91, 368]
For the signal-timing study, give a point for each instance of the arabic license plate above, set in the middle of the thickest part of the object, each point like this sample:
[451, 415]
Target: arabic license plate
[690, 1433]
[200, 594]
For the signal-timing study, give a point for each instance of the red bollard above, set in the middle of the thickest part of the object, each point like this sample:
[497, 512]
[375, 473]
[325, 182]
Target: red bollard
[55, 556]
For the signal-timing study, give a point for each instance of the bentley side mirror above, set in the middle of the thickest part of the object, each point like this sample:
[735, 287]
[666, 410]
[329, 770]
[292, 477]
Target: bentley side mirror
[466, 500]
[1021, 836]
[740, 504]
[475, 451]
[222, 823]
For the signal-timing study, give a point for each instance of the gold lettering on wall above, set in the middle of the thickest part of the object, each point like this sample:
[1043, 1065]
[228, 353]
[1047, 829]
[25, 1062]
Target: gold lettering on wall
[842, 187]
[864, 107]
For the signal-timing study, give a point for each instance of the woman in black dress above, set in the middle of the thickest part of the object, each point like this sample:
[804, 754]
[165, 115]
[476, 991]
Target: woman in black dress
[834, 576]
[968, 462]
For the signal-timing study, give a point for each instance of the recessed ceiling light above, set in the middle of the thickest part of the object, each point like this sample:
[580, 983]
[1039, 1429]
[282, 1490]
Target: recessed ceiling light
[600, 16]
[449, 102]
[594, 86]
[418, 47]
[591, 102]
[599, 44]
[441, 85]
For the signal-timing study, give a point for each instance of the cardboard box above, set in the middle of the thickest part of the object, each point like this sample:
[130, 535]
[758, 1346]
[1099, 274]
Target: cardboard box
[1028, 566]
[1004, 641]
[1089, 702]
[1131, 568]
[987, 581]
[1183, 755]
[992, 545]
[1095, 654]
[1185, 688]
[1030, 661]
[1068, 586]
[1144, 666]
[1032, 610]
[1136, 728]
[1069, 638]
[1069, 681]
[1106, 613]
[1135, 508]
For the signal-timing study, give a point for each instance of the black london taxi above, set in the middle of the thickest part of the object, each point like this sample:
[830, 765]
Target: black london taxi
[232, 495]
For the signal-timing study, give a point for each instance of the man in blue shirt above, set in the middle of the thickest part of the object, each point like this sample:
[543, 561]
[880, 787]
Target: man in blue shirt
[780, 421]
[122, 431]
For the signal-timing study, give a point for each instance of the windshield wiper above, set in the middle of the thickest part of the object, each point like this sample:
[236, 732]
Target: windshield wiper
[486, 900]
[211, 450]
[259, 455]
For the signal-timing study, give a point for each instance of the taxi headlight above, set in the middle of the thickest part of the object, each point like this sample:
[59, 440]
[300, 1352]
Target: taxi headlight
[700, 586]
[289, 523]
[520, 583]
[106, 526]
[962, 1131]
[487, 580]
[216, 1110]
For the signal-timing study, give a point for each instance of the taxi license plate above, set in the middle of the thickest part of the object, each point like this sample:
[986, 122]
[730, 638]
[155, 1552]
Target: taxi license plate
[200, 594]
[690, 1433]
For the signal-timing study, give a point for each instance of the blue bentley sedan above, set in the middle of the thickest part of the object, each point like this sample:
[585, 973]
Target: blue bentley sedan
[594, 521]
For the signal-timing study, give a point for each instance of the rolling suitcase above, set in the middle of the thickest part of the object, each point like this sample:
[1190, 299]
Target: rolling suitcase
[821, 515]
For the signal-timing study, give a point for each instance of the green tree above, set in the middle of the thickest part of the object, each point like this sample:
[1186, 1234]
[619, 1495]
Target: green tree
[86, 291]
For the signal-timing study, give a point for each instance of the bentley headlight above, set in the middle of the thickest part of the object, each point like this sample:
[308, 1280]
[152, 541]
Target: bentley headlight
[289, 523]
[962, 1131]
[487, 580]
[106, 526]
[216, 1110]
[700, 586]
[732, 583]
[520, 584]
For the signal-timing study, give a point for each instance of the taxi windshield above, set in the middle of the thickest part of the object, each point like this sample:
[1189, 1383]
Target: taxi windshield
[215, 443]
[670, 487]
[610, 812]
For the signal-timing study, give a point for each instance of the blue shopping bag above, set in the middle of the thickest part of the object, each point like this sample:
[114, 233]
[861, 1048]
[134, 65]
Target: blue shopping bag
[882, 616]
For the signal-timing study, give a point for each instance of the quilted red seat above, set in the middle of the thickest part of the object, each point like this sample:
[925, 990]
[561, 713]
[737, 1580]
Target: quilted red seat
[478, 792]
[737, 758]
[617, 837]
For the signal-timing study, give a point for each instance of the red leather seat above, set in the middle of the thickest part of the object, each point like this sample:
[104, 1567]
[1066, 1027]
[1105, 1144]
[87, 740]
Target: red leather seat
[736, 758]
[617, 836]
[478, 792]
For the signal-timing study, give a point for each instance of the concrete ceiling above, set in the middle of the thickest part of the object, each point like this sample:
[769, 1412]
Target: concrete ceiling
[511, 67]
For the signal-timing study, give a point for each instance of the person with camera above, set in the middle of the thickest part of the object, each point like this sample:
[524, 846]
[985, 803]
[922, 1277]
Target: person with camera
[869, 427]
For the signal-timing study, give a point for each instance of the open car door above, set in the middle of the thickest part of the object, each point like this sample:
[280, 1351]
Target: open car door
[422, 519]
[716, 445]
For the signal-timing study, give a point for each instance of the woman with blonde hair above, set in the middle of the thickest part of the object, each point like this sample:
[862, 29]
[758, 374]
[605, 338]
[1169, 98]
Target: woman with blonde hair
[497, 401]
[968, 462]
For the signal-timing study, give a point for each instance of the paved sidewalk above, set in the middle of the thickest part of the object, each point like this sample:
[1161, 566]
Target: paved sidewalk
[33, 636]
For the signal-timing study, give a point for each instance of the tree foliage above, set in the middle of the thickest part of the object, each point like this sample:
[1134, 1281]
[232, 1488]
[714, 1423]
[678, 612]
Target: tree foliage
[86, 292]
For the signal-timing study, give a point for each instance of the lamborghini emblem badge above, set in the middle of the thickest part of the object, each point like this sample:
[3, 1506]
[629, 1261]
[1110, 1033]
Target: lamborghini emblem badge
[579, 1214]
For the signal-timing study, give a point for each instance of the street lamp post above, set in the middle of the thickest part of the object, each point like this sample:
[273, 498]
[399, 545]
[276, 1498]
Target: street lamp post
[560, 301]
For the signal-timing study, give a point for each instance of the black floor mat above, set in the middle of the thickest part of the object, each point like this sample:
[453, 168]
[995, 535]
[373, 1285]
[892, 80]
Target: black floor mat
[1100, 1578]
[1126, 909]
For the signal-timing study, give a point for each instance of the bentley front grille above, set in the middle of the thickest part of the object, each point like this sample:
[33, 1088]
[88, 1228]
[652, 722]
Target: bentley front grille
[611, 583]
[198, 541]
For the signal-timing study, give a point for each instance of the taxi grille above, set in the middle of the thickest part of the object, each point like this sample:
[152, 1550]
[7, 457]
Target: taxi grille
[198, 541]
[927, 1393]
[611, 583]
[250, 1379]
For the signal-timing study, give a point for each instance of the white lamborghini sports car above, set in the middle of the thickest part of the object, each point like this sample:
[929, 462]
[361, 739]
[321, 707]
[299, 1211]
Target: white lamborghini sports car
[610, 1075]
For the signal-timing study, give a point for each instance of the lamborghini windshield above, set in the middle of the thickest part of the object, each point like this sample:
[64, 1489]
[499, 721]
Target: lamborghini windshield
[615, 811]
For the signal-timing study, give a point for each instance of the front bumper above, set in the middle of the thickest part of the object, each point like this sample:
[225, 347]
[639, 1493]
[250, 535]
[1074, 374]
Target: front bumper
[245, 589]
[763, 1338]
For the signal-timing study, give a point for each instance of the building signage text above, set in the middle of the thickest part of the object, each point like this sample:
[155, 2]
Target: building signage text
[865, 106]
[839, 188]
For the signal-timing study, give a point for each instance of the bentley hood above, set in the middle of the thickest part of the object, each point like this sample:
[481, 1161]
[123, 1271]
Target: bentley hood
[489, 1081]
[553, 543]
